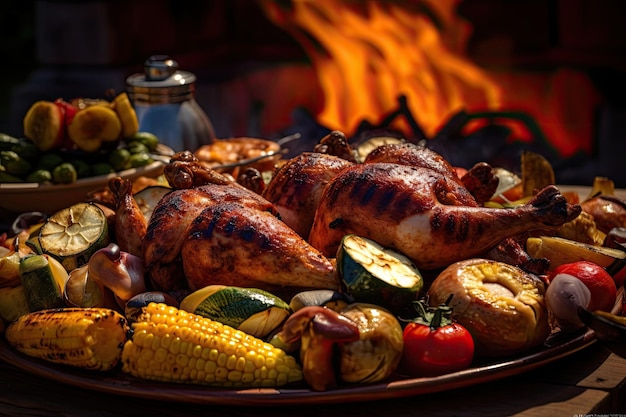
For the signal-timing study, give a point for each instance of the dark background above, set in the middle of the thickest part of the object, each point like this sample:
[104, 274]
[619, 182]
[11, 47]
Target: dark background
[80, 48]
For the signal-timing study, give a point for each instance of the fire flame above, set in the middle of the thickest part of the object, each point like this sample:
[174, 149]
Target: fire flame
[368, 53]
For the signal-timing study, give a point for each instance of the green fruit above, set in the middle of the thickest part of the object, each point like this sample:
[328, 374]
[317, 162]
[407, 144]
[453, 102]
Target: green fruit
[140, 160]
[137, 147]
[26, 149]
[150, 140]
[64, 174]
[49, 161]
[101, 168]
[14, 164]
[73, 234]
[7, 142]
[82, 168]
[39, 176]
[6, 177]
[120, 159]
[377, 275]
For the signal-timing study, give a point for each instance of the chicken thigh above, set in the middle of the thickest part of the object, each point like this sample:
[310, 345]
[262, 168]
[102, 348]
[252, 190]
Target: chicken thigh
[422, 213]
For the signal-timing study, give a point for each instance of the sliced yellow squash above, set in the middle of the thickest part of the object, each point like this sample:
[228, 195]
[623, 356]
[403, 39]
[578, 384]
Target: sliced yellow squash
[563, 251]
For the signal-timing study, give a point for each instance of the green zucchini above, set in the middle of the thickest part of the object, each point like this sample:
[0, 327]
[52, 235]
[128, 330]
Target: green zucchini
[377, 275]
[41, 289]
[254, 311]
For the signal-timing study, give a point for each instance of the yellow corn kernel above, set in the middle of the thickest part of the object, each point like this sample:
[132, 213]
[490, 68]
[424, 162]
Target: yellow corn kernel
[188, 348]
[89, 338]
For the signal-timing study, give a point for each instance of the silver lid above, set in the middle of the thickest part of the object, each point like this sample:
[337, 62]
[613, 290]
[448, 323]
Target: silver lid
[160, 71]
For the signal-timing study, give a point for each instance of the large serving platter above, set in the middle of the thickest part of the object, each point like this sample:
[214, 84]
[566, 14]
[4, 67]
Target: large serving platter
[557, 346]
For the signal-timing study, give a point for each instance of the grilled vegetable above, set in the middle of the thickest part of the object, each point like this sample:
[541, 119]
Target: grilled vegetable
[319, 330]
[148, 198]
[119, 271]
[334, 300]
[9, 268]
[43, 279]
[564, 251]
[537, 173]
[73, 234]
[377, 275]
[377, 353]
[250, 310]
[90, 338]
[13, 303]
[173, 345]
[434, 344]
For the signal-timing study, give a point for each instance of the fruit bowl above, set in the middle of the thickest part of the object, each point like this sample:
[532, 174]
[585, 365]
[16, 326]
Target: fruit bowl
[25, 197]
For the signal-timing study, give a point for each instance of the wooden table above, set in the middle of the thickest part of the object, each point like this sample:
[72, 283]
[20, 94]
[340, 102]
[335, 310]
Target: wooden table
[591, 381]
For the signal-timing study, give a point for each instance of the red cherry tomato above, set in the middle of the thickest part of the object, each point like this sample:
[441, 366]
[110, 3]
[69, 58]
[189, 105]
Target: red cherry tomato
[437, 348]
[597, 279]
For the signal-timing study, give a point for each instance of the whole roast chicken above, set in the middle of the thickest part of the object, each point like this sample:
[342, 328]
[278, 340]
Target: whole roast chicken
[211, 230]
[424, 214]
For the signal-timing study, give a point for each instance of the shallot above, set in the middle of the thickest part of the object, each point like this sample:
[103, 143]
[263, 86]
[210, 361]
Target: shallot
[563, 297]
[120, 271]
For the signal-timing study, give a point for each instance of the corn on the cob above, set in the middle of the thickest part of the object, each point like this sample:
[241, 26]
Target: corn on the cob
[88, 338]
[173, 345]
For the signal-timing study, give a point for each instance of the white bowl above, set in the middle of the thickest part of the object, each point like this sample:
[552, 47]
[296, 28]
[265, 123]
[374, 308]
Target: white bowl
[25, 197]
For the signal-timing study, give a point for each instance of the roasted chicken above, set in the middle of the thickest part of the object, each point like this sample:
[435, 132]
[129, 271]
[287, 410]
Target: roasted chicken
[480, 180]
[130, 223]
[297, 187]
[424, 214]
[218, 232]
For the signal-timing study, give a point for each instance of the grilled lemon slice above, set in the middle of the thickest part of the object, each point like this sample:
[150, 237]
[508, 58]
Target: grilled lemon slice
[73, 234]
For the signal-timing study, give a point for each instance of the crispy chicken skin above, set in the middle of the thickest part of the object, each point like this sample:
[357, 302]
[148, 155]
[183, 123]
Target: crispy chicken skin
[297, 186]
[212, 230]
[230, 243]
[170, 223]
[480, 180]
[130, 223]
[424, 214]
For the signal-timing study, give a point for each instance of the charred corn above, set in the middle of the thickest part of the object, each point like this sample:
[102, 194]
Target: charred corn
[88, 338]
[172, 345]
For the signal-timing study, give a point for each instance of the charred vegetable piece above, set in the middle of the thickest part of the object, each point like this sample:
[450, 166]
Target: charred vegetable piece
[254, 311]
[88, 338]
[377, 275]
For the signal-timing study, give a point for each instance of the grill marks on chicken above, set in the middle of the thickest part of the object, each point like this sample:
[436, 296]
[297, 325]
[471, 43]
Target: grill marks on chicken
[230, 243]
[171, 220]
[423, 214]
[297, 187]
[480, 181]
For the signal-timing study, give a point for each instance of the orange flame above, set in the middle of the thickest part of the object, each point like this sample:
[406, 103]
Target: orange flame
[372, 52]
[368, 53]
